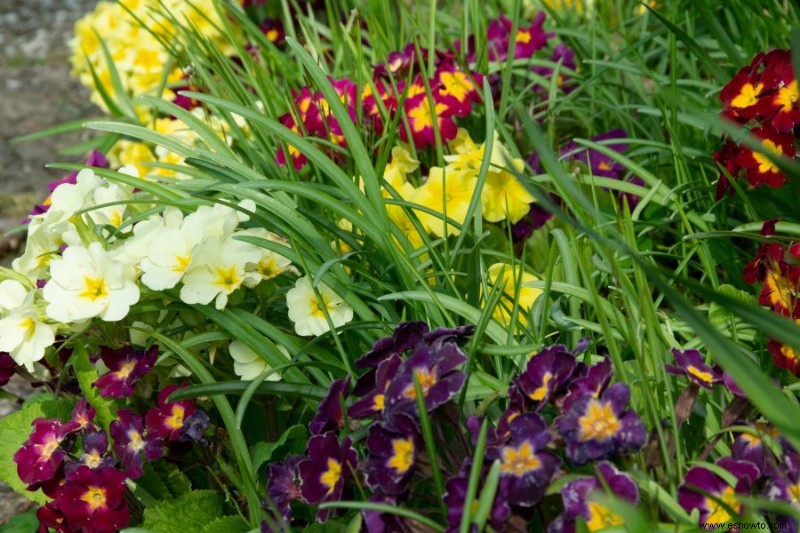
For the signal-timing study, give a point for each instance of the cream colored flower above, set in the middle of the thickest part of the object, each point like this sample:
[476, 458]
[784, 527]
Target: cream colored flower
[248, 365]
[90, 282]
[23, 333]
[307, 311]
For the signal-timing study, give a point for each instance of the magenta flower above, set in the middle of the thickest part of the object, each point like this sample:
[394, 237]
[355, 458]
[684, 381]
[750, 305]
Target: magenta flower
[394, 445]
[526, 467]
[579, 496]
[131, 442]
[93, 501]
[41, 455]
[330, 412]
[82, 418]
[51, 518]
[785, 486]
[126, 366]
[329, 465]
[458, 90]
[712, 496]
[596, 428]
[168, 420]
[690, 363]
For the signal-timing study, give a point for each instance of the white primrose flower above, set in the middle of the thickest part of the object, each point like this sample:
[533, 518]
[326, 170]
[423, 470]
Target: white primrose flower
[248, 365]
[164, 266]
[90, 282]
[306, 310]
[218, 221]
[23, 333]
[269, 264]
[218, 268]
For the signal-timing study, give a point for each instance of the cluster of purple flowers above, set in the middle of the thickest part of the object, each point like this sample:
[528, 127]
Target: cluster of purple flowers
[589, 420]
[82, 468]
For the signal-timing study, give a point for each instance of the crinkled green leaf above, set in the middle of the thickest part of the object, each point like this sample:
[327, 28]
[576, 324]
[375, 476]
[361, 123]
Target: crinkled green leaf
[14, 431]
[227, 524]
[87, 374]
[190, 512]
[263, 451]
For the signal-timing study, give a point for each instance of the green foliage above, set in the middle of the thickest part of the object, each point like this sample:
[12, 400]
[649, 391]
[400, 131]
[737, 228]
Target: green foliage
[87, 374]
[292, 440]
[191, 512]
[22, 523]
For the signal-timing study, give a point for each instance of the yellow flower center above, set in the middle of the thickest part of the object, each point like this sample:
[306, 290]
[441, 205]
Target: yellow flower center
[95, 288]
[421, 115]
[29, 326]
[426, 379]
[402, 455]
[787, 97]
[92, 460]
[717, 506]
[523, 36]
[538, 394]
[601, 517]
[379, 402]
[456, 84]
[764, 163]
[125, 370]
[519, 461]
[175, 420]
[705, 377]
[332, 475]
[748, 95]
[780, 290]
[136, 443]
[273, 35]
[95, 497]
[794, 492]
[181, 263]
[599, 422]
[227, 278]
[48, 448]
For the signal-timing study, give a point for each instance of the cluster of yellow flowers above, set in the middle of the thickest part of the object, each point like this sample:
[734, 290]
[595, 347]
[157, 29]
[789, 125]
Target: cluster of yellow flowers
[448, 191]
[133, 32]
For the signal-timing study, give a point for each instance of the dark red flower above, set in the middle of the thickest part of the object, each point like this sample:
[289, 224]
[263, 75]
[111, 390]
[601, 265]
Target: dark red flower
[41, 455]
[93, 501]
[759, 168]
[168, 420]
[8, 367]
[330, 412]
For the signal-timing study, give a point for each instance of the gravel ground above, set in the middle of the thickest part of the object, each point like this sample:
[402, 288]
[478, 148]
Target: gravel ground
[36, 92]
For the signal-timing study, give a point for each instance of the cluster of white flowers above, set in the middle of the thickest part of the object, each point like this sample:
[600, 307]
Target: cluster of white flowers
[87, 258]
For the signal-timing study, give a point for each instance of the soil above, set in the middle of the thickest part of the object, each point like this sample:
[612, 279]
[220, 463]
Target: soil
[36, 92]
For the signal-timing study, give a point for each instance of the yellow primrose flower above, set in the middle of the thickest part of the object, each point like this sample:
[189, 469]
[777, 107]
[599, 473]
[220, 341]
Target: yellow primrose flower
[448, 192]
[503, 196]
[506, 279]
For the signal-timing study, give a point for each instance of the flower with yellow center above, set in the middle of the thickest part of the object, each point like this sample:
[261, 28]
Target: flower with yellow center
[718, 506]
[748, 95]
[248, 365]
[90, 282]
[95, 497]
[332, 475]
[520, 460]
[765, 164]
[23, 333]
[599, 422]
[402, 457]
[601, 517]
[308, 310]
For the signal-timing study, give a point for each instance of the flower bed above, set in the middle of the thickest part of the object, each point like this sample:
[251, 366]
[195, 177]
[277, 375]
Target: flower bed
[449, 269]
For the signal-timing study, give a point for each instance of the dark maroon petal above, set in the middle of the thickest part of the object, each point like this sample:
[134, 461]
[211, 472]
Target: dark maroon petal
[330, 413]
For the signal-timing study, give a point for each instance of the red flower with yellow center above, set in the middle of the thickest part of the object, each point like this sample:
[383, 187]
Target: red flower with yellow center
[759, 166]
[168, 420]
[421, 114]
[94, 500]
